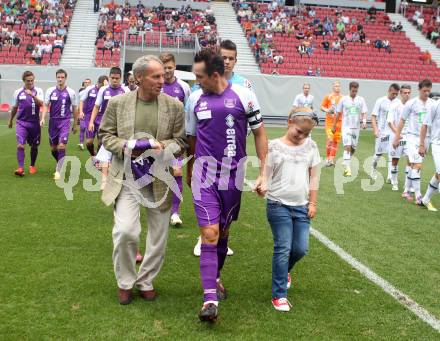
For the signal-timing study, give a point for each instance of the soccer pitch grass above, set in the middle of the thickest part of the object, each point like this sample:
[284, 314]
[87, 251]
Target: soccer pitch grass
[58, 280]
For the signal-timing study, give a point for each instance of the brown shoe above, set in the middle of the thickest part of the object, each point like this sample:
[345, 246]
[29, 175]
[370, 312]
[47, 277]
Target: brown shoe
[148, 295]
[125, 296]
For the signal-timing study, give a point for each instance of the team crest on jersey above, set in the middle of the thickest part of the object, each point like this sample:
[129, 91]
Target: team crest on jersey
[176, 90]
[203, 105]
[230, 103]
[230, 121]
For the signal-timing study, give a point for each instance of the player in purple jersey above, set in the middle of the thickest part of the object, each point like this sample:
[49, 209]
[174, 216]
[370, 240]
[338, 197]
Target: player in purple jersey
[216, 124]
[180, 90]
[86, 105]
[105, 93]
[60, 101]
[82, 126]
[228, 51]
[27, 102]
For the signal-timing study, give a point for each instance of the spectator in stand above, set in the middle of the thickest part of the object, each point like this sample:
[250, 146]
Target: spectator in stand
[345, 20]
[36, 55]
[310, 72]
[362, 36]
[58, 44]
[416, 15]
[378, 43]
[132, 31]
[325, 45]
[355, 37]
[278, 59]
[108, 44]
[349, 37]
[340, 26]
[46, 48]
[302, 50]
[328, 26]
[318, 72]
[426, 57]
[371, 14]
[336, 46]
[434, 35]
[386, 45]
[420, 21]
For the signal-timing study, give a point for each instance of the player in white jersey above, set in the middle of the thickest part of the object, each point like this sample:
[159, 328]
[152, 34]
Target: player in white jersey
[414, 112]
[352, 108]
[381, 130]
[304, 99]
[393, 119]
[432, 121]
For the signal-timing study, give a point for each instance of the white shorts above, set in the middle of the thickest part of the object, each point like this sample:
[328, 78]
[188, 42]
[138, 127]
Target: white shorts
[103, 155]
[350, 136]
[436, 156]
[382, 144]
[413, 144]
[400, 151]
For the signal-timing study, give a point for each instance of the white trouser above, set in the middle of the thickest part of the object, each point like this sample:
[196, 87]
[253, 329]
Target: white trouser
[126, 232]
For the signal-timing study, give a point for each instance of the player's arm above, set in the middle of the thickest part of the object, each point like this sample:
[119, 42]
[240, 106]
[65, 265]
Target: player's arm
[390, 121]
[46, 108]
[335, 121]
[92, 118]
[37, 99]
[399, 129]
[374, 118]
[13, 113]
[75, 118]
[364, 111]
[81, 110]
[427, 121]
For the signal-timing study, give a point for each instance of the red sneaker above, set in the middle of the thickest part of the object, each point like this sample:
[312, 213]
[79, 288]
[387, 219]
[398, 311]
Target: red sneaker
[32, 169]
[281, 304]
[19, 171]
[138, 257]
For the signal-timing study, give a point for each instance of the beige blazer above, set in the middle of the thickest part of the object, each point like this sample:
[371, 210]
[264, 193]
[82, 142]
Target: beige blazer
[117, 127]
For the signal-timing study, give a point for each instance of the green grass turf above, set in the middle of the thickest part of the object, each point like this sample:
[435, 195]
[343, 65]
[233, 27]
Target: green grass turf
[58, 280]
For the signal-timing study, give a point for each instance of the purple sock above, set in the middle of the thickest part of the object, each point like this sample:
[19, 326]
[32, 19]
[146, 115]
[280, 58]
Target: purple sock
[61, 155]
[222, 251]
[208, 271]
[55, 154]
[176, 200]
[20, 157]
[34, 154]
[81, 135]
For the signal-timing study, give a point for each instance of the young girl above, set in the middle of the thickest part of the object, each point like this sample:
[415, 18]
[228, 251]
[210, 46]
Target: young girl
[293, 178]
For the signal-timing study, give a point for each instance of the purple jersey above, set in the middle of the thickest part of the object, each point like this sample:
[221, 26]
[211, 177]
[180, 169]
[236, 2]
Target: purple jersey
[220, 123]
[27, 109]
[88, 97]
[61, 102]
[177, 89]
[104, 95]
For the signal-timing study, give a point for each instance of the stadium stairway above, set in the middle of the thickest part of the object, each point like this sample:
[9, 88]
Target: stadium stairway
[416, 36]
[79, 50]
[229, 28]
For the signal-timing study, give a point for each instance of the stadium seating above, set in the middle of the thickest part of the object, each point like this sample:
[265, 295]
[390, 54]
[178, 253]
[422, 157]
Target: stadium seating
[159, 34]
[358, 60]
[430, 23]
[29, 38]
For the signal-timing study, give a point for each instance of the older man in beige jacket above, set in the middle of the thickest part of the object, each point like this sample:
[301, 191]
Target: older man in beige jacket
[151, 113]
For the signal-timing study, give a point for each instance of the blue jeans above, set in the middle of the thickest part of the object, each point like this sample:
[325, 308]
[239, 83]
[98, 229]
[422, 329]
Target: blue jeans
[290, 229]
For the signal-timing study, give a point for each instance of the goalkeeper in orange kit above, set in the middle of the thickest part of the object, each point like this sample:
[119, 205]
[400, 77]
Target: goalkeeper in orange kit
[328, 105]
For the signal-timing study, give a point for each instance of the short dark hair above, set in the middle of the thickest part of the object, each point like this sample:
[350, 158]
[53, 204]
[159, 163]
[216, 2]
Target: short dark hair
[425, 83]
[405, 86]
[228, 45]
[353, 85]
[213, 62]
[61, 71]
[102, 78]
[115, 71]
[27, 74]
[394, 86]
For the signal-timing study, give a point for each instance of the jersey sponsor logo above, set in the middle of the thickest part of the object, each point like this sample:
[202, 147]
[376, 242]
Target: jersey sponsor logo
[92, 94]
[230, 102]
[230, 137]
[22, 96]
[203, 105]
[54, 97]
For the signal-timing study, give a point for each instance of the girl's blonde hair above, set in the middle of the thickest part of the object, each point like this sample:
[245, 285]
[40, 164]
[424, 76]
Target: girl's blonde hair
[300, 119]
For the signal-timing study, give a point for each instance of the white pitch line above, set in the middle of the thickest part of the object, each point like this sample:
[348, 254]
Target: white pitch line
[398, 295]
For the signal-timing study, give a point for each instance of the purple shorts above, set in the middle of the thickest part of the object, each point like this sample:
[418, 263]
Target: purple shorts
[97, 123]
[28, 132]
[82, 124]
[214, 206]
[89, 135]
[59, 130]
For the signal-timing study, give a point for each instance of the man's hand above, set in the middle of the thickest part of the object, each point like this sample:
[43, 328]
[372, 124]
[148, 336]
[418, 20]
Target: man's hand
[312, 210]
[42, 121]
[422, 150]
[91, 127]
[10, 124]
[364, 125]
[261, 186]
[377, 133]
[28, 92]
[81, 115]
[334, 129]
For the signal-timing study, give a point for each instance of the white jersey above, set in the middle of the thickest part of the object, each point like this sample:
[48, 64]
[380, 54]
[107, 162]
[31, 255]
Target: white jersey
[432, 120]
[395, 114]
[414, 112]
[351, 110]
[302, 101]
[381, 110]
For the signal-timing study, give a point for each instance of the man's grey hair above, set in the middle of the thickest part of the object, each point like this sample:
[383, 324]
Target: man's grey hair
[141, 64]
[405, 86]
